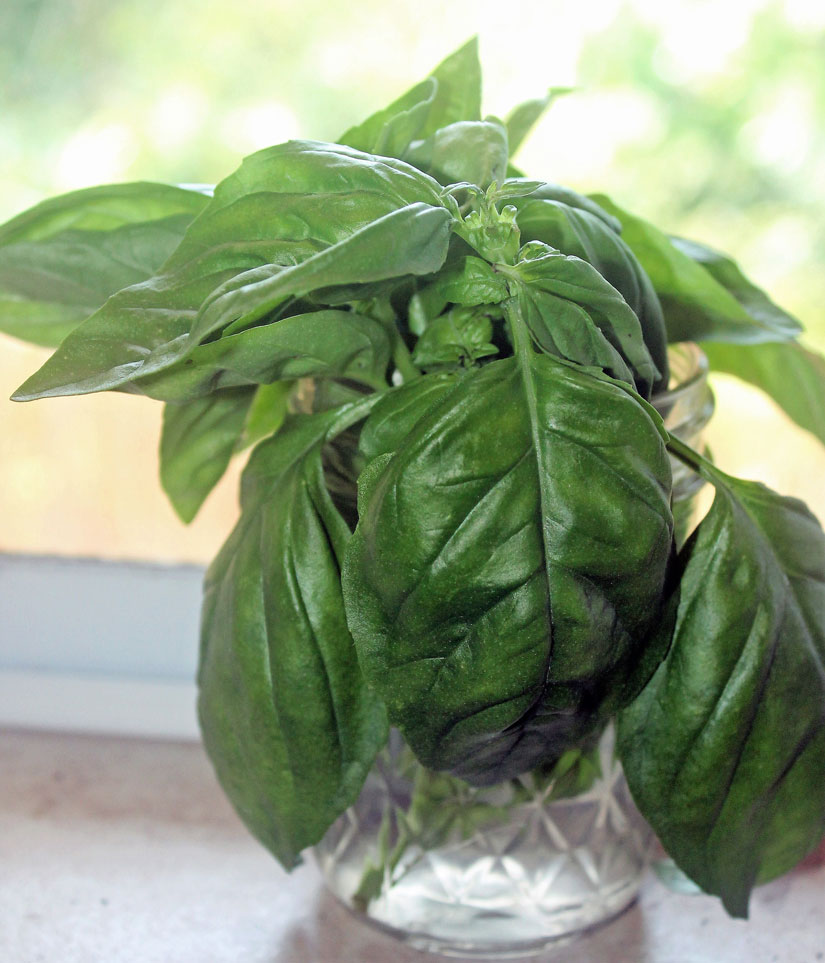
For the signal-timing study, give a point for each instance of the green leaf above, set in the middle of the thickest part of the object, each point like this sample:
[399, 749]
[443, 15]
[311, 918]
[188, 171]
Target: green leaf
[790, 374]
[397, 413]
[287, 720]
[471, 151]
[725, 748]
[266, 413]
[102, 208]
[389, 132]
[410, 240]
[458, 96]
[197, 441]
[581, 233]
[319, 344]
[60, 260]
[508, 564]
[468, 281]
[572, 311]
[523, 117]
[461, 336]
[283, 206]
[696, 305]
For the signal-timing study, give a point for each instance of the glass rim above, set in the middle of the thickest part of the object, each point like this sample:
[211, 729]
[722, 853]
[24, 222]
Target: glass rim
[696, 376]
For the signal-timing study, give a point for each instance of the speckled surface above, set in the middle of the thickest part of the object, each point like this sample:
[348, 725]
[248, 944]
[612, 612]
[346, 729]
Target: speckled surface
[124, 851]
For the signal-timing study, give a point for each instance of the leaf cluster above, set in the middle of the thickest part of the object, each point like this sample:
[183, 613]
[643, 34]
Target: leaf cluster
[457, 517]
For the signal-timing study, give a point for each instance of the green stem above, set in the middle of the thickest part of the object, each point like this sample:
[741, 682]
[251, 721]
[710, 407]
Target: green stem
[692, 459]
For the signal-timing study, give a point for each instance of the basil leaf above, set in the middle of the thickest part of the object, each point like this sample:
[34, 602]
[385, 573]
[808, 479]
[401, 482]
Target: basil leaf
[469, 281]
[572, 311]
[581, 233]
[696, 305]
[523, 117]
[266, 413]
[460, 336]
[458, 96]
[397, 413]
[497, 601]
[283, 206]
[471, 151]
[725, 748]
[390, 131]
[60, 260]
[789, 373]
[287, 720]
[318, 344]
[196, 443]
[411, 240]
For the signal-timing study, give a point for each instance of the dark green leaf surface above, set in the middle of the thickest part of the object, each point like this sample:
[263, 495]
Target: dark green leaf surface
[196, 443]
[283, 206]
[725, 748]
[287, 720]
[508, 563]
[790, 374]
[583, 234]
[62, 259]
[574, 312]
[697, 306]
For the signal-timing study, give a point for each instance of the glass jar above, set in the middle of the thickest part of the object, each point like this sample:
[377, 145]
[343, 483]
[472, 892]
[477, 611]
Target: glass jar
[507, 870]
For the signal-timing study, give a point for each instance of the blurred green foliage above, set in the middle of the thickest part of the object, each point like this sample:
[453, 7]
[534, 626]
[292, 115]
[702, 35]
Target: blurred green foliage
[730, 152]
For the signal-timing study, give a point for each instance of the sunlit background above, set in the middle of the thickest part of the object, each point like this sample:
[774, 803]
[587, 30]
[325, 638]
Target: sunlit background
[706, 117]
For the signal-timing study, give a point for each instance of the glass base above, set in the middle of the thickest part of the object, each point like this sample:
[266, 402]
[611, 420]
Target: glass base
[489, 873]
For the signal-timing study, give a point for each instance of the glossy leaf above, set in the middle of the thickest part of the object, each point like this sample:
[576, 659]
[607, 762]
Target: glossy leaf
[283, 206]
[725, 748]
[508, 564]
[410, 240]
[471, 151]
[460, 336]
[573, 311]
[581, 233]
[318, 344]
[60, 260]
[196, 443]
[786, 371]
[287, 720]
[696, 305]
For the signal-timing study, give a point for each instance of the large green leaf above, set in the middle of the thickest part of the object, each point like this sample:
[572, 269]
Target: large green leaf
[697, 306]
[196, 443]
[508, 564]
[287, 719]
[287, 205]
[60, 260]
[725, 748]
[582, 233]
[790, 374]
[459, 89]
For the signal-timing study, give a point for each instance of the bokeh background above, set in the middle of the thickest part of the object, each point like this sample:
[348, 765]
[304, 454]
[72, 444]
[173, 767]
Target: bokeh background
[706, 117]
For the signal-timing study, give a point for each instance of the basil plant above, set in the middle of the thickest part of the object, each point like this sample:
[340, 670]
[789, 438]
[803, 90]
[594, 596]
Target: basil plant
[457, 512]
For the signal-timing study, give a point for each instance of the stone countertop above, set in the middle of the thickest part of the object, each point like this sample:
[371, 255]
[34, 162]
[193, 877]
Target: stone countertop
[125, 851]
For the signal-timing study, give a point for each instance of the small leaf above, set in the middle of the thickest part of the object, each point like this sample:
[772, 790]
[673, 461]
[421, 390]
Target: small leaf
[460, 336]
[266, 413]
[467, 151]
[197, 441]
